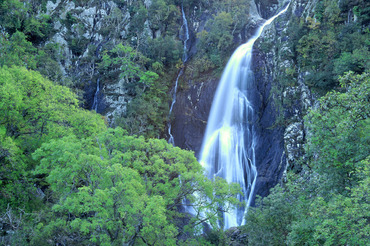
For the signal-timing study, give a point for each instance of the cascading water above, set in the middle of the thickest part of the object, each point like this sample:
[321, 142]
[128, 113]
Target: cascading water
[96, 102]
[171, 140]
[228, 148]
[97, 92]
[185, 25]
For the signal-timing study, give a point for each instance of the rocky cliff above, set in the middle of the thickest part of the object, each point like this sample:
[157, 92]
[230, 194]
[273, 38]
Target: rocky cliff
[280, 125]
[86, 31]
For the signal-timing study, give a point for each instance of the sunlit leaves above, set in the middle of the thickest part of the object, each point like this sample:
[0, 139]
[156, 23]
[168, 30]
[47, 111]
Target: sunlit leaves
[119, 188]
[33, 111]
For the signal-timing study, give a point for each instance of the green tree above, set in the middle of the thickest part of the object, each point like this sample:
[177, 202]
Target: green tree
[16, 15]
[269, 223]
[216, 40]
[15, 189]
[147, 111]
[163, 16]
[332, 43]
[356, 61]
[117, 189]
[336, 219]
[344, 220]
[131, 65]
[140, 15]
[327, 203]
[146, 114]
[339, 131]
[33, 110]
[13, 14]
[166, 50]
[17, 51]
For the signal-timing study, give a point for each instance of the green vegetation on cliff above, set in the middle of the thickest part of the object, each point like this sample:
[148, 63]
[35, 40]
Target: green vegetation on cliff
[331, 41]
[65, 178]
[328, 202]
[325, 202]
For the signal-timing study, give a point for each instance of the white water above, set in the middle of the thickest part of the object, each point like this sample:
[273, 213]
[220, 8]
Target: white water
[185, 25]
[228, 148]
[95, 103]
[171, 140]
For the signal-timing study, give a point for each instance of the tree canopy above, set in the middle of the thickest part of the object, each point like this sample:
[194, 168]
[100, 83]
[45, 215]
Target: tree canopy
[79, 182]
[328, 202]
[116, 189]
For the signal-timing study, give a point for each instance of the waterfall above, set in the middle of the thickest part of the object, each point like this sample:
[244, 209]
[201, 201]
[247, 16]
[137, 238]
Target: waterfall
[228, 148]
[96, 95]
[171, 140]
[96, 102]
[184, 26]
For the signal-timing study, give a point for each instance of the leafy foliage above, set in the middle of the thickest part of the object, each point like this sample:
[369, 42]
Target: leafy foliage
[163, 16]
[18, 15]
[130, 63]
[165, 50]
[17, 50]
[341, 120]
[32, 111]
[327, 204]
[269, 222]
[118, 188]
[332, 44]
[147, 111]
[89, 185]
[216, 40]
[219, 38]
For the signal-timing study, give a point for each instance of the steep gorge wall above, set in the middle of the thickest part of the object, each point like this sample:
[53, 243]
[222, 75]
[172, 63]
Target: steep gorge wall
[296, 60]
[280, 125]
[85, 30]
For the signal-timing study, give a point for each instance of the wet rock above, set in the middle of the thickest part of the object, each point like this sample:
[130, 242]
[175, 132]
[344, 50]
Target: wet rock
[191, 114]
[266, 8]
[270, 145]
[193, 106]
[236, 237]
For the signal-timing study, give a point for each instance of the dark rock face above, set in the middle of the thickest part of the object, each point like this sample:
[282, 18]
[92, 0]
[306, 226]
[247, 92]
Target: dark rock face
[278, 145]
[236, 237]
[270, 157]
[266, 8]
[191, 113]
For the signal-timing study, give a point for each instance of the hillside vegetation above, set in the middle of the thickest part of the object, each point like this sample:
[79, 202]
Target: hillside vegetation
[71, 176]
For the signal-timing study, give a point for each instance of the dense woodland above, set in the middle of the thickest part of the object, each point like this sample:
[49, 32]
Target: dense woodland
[68, 177]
